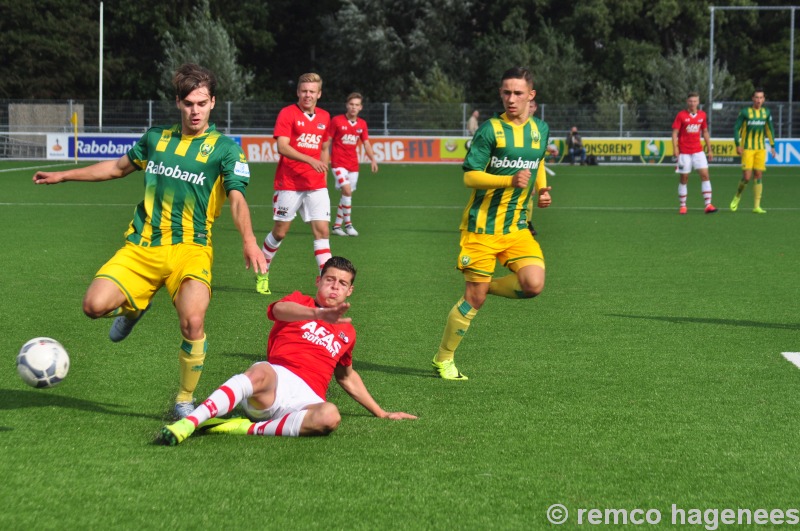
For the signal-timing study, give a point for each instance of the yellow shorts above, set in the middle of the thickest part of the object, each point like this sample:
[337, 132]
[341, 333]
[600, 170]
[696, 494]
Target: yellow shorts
[754, 159]
[480, 253]
[141, 271]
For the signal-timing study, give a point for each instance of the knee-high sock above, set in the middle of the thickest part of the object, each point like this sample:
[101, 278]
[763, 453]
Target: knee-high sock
[757, 189]
[223, 400]
[706, 188]
[458, 321]
[191, 356]
[508, 287]
[322, 252]
[682, 191]
[742, 185]
[269, 248]
[286, 426]
[343, 211]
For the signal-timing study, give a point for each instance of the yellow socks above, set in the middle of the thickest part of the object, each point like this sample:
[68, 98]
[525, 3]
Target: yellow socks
[458, 321]
[757, 187]
[191, 357]
[508, 287]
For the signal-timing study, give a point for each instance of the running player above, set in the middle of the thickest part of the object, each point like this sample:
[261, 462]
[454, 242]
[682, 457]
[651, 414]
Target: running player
[504, 152]
[302, 131]
[189, 168]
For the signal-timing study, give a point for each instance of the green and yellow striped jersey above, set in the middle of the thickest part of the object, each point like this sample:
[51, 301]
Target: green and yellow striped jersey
[500, 147]
[752, 127]
[186, 181]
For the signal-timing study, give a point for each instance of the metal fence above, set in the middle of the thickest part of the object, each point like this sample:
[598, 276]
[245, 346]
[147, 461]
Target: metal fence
[600, 120]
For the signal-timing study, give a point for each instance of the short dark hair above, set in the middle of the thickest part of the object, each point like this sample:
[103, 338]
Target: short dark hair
[757, 89]
[190, 76]
[354, 96]
[342, 264]
[693, 94]
[518, 73]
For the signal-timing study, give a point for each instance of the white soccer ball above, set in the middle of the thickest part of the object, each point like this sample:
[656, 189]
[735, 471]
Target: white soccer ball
[42, 362]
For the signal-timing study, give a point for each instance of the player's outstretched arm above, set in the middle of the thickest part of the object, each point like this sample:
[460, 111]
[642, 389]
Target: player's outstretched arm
[354, 386]
[102, 171]
[240, 212]
[291, 311]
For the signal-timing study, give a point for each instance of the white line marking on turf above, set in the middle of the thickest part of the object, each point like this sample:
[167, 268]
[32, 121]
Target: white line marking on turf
[793, 357]
[37, 167]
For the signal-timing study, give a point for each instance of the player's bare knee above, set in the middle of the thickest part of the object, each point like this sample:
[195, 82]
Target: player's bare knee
[533, 289]
[192, 326]
[326, 418]
[92, 309]
[260, 375]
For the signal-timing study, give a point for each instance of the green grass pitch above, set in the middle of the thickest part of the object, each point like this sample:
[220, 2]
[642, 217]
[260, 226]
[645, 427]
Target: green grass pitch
[648, 373]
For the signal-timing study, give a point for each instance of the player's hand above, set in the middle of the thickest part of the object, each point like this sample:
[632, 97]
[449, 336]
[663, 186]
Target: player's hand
[254, 257]
[374, 167]
[47, 177]
[772, 152]
[334, 314]
[544, 197]
[710, 155]
[739, 150]
[319, 166]
[521, 178]
[399, 415]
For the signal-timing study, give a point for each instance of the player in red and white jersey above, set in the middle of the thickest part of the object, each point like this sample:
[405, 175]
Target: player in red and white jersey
[310, 341]
[687, 127]
[302, 132]
[347, 130]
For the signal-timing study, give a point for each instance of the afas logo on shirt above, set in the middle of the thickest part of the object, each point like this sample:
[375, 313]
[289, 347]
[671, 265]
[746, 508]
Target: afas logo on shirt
[308, 140]
[693, 128]
[319, 335]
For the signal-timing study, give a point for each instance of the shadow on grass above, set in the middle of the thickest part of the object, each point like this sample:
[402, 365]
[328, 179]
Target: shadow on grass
[360, 365]
[16, 399]
[702, 320]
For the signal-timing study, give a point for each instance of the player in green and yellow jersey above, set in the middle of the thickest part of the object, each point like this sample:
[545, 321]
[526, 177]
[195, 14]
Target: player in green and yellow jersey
[189, 168]
[505, 151]
[753, 127]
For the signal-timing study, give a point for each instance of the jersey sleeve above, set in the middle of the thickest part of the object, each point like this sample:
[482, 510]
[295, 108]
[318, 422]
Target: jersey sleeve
[365, 132]
[676, 123]
[480, 151]
[283, 124]
[541, 178]
[139, 153]
[737, 129]
[346, 360]
[235, 170]
[769, 129]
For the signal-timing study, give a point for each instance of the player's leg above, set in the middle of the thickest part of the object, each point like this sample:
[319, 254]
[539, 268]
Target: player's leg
[259, 378]
[284, 209]
[316, 211]
[343, 185]
[458, 322]
[700, 163]
[759, 165]
[349, 229]
[123, 287]
[747, 173]
[191, 303]
[683, 168]
[520, 251]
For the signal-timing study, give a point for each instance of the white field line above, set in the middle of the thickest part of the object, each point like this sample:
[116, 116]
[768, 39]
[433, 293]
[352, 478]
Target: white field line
[793, 357]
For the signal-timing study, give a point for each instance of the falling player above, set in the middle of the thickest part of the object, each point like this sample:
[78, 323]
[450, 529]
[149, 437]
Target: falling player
[346, 131]
[687, 127]
[302, 132]
[310, 341]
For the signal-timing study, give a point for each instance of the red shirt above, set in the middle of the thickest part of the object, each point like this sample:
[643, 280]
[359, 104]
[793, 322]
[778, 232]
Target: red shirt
[690, 127]
[306, 134]
[345, 135]
[310, 349]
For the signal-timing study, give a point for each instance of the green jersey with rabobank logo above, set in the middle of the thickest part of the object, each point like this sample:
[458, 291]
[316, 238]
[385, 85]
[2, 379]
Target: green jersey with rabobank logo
[500, 147]
[186, 181]
[752, 127]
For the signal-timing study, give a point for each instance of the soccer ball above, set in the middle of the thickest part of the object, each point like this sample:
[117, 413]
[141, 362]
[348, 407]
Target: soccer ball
[42, 362]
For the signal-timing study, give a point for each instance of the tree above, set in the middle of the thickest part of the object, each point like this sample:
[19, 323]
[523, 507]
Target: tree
[202, 40]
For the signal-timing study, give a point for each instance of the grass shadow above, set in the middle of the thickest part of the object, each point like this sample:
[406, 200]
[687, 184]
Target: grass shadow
[16, 399]
[703, 320]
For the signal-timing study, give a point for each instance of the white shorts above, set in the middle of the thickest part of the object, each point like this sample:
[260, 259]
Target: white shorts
[314, 205]
[688, 162]
[292, 394]
[342, 177]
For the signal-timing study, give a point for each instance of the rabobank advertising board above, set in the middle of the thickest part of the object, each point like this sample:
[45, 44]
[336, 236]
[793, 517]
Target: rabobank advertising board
[446, 150]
